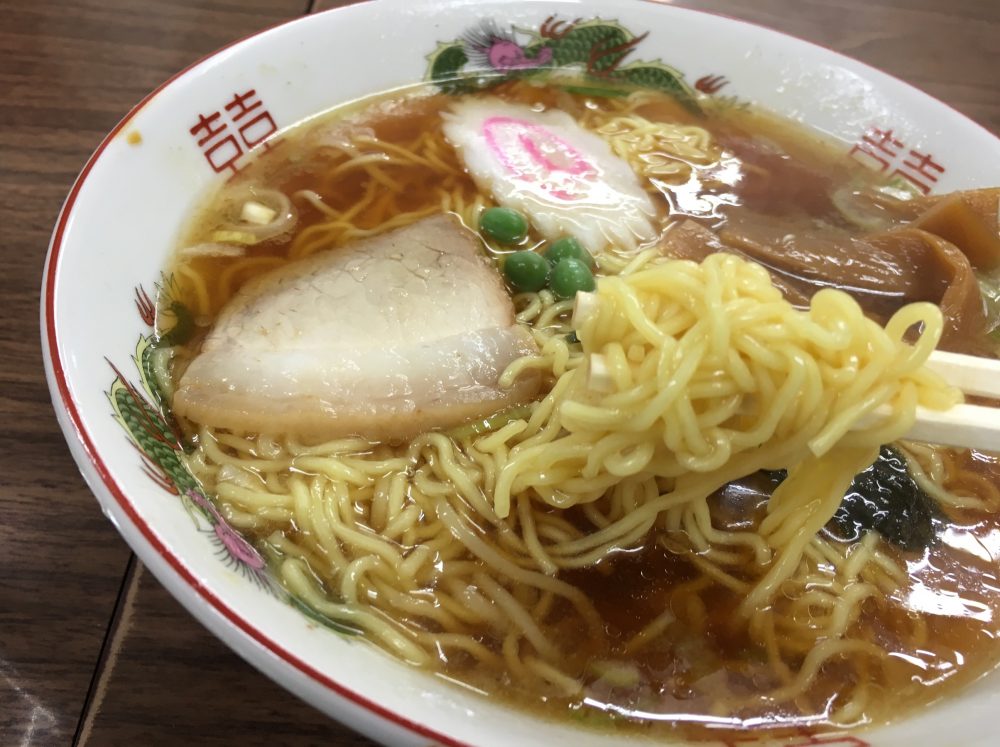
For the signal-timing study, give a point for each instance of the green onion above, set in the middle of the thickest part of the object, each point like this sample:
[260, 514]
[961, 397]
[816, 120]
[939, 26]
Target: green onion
[234, 237]
[492, 423]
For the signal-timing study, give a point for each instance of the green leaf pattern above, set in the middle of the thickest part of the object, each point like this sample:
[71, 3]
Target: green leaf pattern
[142, 410]
[593, 50]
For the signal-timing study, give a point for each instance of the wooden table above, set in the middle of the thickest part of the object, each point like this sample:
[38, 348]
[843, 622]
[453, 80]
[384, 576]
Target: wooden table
[92, 650]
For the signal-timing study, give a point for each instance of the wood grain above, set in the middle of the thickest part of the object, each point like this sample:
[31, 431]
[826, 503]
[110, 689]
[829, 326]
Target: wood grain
[947, 49]
[68, 71]
[167, 681]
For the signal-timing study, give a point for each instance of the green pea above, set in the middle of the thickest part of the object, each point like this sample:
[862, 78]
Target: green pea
[569, 276]
[503, 224]
[526, 271]
[568, 247]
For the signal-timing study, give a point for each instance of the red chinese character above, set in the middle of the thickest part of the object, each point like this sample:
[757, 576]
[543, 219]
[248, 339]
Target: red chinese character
[736, 741]
[205, 124]
[876, 144]
[919, 169]
[239, 106]
[256, 130]
[225, 151]
[224, 154]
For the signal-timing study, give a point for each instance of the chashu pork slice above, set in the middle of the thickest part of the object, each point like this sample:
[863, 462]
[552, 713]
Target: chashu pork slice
[386, 338]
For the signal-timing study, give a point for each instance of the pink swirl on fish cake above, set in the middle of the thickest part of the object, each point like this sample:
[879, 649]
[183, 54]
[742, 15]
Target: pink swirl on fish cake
[543, 158]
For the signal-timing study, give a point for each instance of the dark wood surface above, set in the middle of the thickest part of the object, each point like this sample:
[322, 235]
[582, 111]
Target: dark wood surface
[69, 71]
[92, 650]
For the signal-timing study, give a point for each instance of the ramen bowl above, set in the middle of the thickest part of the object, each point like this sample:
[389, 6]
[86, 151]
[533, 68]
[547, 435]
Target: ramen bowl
[125, 213]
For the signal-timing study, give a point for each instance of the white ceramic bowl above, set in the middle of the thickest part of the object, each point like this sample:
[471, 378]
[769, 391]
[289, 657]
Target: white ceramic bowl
[123, 215]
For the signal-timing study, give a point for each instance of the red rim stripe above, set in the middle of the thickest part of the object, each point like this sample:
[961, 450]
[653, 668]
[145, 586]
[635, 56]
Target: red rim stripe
[109, 482]
[102, 471]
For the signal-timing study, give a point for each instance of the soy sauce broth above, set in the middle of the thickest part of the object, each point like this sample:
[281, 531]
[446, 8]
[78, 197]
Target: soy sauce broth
[939, 628]
[803, 164]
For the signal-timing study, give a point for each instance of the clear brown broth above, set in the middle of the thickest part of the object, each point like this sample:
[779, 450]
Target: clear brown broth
[953, 585]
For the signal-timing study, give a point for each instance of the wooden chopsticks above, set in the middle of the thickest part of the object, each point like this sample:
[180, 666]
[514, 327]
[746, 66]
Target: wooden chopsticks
[966, 426]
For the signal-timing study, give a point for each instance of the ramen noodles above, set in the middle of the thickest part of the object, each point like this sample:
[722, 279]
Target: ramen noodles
[557, 395]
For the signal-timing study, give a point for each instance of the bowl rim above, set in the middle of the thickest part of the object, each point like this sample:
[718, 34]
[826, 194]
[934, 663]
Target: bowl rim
[63, 399]
[75, 431]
